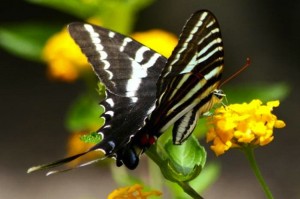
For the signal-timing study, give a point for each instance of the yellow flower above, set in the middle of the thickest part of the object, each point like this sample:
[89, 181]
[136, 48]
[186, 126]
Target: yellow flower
[238, 125]
[132, 192]
[64, 57]
[161, 41]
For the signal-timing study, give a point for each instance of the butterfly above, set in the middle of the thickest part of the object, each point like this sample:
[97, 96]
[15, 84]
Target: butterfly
[146, 93]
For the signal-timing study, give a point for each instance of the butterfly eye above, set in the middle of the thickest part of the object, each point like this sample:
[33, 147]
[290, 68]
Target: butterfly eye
[219, 94]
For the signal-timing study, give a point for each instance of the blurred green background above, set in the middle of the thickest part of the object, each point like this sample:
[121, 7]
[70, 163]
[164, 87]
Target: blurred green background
[33, 108]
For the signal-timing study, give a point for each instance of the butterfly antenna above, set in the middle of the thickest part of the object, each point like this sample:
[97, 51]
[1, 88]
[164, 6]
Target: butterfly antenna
[248, 62]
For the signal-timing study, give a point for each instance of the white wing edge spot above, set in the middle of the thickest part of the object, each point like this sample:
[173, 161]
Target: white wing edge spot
[134, 99]
[125, 42]
[111, 34]
[101, 150]
[108, 72]
[110, 102]
[139, 53]
[151, 109]
[110, 113]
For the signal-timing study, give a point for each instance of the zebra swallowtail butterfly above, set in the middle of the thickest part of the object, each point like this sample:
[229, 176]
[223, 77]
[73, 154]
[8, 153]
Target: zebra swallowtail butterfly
[146, 92]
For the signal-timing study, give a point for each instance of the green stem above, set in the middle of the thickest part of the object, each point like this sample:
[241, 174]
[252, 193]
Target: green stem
[249, 151]
[156, 176]
[189, 190]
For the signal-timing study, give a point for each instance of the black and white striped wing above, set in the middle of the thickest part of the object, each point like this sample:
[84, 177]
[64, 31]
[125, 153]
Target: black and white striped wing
[129, 71]
[192, 73]
[199, 50]
[124, 65]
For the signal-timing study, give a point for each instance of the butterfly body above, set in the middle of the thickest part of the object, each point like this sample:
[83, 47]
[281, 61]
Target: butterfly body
[145, 92]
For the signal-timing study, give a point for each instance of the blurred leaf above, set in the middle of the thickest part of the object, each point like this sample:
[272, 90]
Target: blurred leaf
[208, 176]
[84, 114]
[118, 15]
[27, 39]
[122, 176]
[79, 8]
[262, 91]
[201, 128]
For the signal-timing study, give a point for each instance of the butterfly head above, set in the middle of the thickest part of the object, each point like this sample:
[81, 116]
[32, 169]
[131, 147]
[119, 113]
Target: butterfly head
[218, 96]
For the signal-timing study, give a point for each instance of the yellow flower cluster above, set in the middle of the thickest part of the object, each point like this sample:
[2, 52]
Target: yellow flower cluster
[132, 192]
[238, 125]
[64, 57]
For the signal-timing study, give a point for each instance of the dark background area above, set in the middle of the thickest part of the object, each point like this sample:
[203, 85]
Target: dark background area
[33, 108]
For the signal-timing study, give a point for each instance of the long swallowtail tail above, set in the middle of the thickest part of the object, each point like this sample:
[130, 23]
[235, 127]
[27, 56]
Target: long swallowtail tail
[146, 92]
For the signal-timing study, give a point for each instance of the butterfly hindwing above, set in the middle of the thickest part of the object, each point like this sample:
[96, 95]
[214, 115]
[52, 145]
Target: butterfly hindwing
[184, 126]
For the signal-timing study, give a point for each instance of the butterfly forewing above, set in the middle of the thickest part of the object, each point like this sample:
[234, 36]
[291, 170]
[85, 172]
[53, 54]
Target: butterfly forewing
[199, 50]
[192, 73]
[125, 66]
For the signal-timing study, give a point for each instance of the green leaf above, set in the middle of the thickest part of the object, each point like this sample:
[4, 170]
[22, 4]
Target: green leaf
[84, 114]
[186, 160]
[262, 91]
[27, 39]
[179, 162]
[208, 176]
[79, 8]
